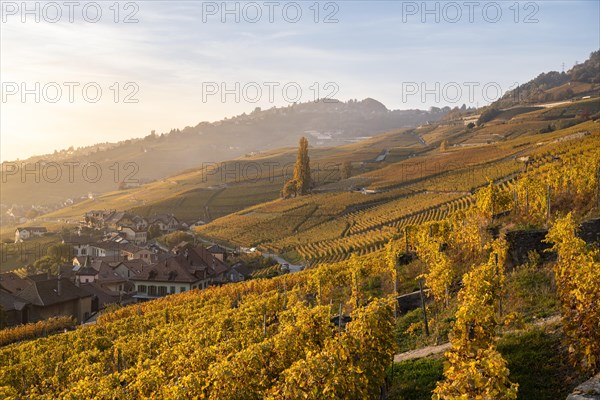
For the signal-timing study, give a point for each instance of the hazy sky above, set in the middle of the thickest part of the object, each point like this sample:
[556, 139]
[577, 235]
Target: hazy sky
[176, 58]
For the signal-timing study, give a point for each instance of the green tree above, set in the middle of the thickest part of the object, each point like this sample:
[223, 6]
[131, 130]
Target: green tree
[302, 180]
[47, 264]
[174, 238]
[153, 231]
[61, 252]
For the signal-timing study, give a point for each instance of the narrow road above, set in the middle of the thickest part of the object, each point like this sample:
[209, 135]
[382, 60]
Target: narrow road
[281, 260]
[419, 138]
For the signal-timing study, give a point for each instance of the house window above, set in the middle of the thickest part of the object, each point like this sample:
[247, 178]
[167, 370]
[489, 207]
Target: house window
[162, 290]
[152, 290]
[181, 289]
[172, 289]
[142, 288]
[194, 287]
[84, 252]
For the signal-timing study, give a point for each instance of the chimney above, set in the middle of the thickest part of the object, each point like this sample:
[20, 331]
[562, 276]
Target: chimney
[58, 285]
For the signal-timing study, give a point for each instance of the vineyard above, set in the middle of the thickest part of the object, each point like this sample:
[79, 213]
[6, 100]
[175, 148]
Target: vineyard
[328, 227]
[262, 339]
[430, 219]
[330, 332]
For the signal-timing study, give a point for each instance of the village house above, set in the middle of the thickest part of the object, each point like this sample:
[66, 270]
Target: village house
[79, 243]
[13, 283]
[113, 280]
[169, 276]
[96, 214]
[139, 223]
[129, 268]
[127, 219]
[14, 309]
[196, 223]
[103, 273]
[116, 237]
[114, 219]
[56, 297]
[133, 252]
[105, 249]
[85, 274]
[189, 267]
[134, 235]
[96, 218]
[166, 223]
[199, 256]
[101, 297]
[80, 261]
[27, 233]
[27, 299]
[239, 272]
[218, 252]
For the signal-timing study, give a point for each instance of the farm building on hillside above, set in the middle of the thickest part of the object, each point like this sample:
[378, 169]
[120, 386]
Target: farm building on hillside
[22, 234]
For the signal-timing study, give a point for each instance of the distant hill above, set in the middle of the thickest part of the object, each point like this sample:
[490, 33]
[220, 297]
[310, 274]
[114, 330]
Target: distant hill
[156, 156]
[580, 81]
[386, 163]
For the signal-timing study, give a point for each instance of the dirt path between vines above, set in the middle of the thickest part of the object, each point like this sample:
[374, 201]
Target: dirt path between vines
[434, 350]
[422, 352]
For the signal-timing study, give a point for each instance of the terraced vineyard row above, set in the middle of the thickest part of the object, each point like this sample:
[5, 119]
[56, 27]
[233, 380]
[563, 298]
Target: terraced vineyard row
[363, 221]
[327, 226]
[369, 229]
[344, 246]
[266, 225]
[375, 239]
